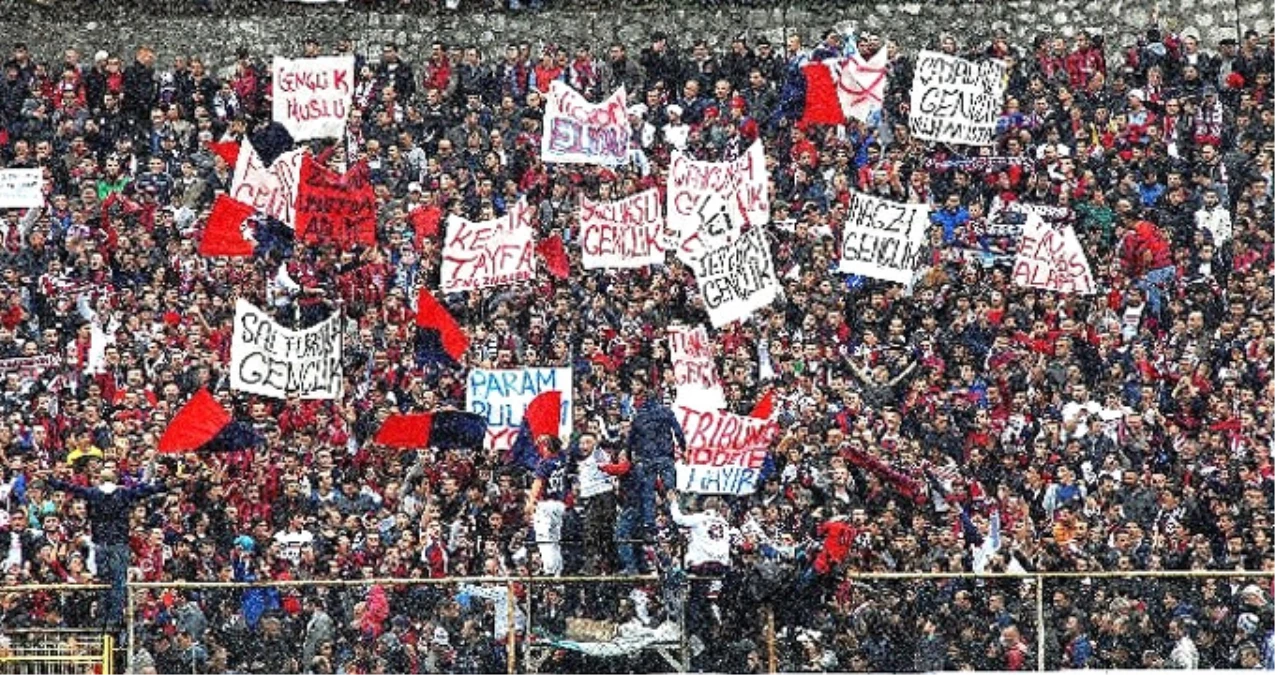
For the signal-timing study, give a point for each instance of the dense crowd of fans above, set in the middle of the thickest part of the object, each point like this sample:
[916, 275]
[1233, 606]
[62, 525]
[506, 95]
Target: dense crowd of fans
[964, 424]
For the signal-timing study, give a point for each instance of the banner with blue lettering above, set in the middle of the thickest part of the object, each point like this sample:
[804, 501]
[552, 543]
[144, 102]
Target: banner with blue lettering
[724, 452]
[579, 132]
[501, 396]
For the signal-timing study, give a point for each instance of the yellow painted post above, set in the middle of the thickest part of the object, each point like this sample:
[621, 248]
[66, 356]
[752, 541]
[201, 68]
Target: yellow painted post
[511, 637]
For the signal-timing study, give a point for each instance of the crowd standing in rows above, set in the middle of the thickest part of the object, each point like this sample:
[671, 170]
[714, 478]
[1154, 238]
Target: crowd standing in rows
[962, 424]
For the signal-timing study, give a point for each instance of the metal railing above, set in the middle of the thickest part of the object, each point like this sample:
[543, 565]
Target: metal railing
[521, 618]
[42, 651]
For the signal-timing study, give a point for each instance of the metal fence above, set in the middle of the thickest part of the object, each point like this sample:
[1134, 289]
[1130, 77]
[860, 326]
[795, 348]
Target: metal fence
[538, 624]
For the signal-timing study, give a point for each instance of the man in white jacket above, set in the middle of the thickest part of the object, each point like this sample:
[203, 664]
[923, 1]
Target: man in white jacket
[707, 559]
[1214, 217]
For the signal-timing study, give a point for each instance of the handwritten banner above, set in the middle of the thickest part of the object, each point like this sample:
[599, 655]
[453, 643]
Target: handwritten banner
[270, 360]
[883, 239]
[955, 100]
[21, 188]
[1051, 258]
[334, 208]
[694, 372]
[737, 279]
[25, 362]
[271, 190]
[592, 479]
[312, 97]
[491, 253]
[708, 202]
[725, 452]
[502, 396]
[623, 233]
[579, 132]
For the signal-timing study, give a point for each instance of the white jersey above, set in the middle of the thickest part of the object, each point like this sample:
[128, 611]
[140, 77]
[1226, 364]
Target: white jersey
[710, 537]
[292, 543]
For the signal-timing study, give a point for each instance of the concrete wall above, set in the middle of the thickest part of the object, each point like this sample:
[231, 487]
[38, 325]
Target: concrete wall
[275, 27]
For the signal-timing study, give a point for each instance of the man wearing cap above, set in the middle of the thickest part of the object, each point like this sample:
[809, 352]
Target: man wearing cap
[109, 507]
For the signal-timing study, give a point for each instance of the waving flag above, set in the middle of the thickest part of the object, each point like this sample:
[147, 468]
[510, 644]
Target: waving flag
[446, 429]
[223, 236]
[203, 425]
[438, 328]
[845, 88]
[541, 419]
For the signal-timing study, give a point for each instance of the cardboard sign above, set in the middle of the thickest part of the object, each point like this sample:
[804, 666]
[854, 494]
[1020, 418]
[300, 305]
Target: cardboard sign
[312, 97]
[709, 202]
[491, 253]
[621, 234]
[694, 371]
[737, 279]
[271, 190]
[593, 480]
[883, 239]
[1051, 258]
[955, 100]
[501, 396]
[724, 452]
[270, 360]
[579, 132]
[334, 208]
[21, 188]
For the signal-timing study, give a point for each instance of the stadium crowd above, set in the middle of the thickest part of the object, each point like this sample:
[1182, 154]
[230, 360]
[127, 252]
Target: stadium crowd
[964, 424]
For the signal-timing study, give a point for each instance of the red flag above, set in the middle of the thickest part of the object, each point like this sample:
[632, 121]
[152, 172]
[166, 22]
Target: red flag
[432, 314]
[765, 407]
[554, 255]
[197, 423]
[823, 106]
[426, 220]
[228, 151]
[543, 414]
[405, 431]
[223, 236]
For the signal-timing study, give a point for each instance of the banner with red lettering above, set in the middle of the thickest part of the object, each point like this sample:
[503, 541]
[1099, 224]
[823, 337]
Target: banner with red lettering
[312, 97]
[338, 209]
[694, 372]
[579, 132]
[623, 233]
[709, 202]
[725, 452]
[1050, 257]
[271, 190]
[491, 253]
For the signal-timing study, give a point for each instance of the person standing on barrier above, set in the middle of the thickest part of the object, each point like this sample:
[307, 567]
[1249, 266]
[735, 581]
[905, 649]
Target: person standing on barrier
[546, 503]
[628, 519]
[109, 506]
[707, 555]
[654, 431]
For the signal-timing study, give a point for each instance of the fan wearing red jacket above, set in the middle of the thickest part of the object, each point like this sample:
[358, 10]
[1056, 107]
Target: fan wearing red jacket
[1145, 256]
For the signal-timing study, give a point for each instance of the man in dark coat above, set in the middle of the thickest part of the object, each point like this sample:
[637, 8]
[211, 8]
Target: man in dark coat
[651, 438]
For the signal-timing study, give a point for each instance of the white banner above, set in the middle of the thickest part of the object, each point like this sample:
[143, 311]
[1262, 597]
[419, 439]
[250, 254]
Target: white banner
[955, 100]
[861, 84]
[593, 480]
[270, 360]
[491, 253]
[579, 132]
[737, 279]
[725, 452]
[883, 239]
[694, 372]
[621, 234]
[708, 202]
[1050, 257]
[312, 97]
[21, 188]
[502, 396]
[272, 190]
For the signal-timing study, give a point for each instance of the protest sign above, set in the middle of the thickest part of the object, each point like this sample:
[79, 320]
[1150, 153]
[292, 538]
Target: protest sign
[1050, 257]
[579, 132]
[270, 360]
[737, 279]
[336, 208]
[621, 234]
[883, 239]
[709, 202]
[312, 97]
[725, 452]
[21, 188]
[25, 362]
[955, 100]
[491, 253]
[501, 396]
[694, 373]
[271, 190]
[593, 480]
